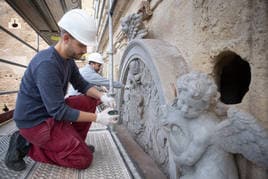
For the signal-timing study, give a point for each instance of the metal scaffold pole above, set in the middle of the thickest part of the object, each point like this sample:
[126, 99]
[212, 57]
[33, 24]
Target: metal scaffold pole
[110, 51]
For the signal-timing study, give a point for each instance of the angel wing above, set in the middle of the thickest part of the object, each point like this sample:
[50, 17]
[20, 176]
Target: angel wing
[242, 133]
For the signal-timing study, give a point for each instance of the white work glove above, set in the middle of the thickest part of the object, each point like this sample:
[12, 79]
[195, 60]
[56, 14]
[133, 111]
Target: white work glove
[105, 118]
[108, 100]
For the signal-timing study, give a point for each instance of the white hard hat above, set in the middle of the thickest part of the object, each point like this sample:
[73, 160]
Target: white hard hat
[95, 57]
[80, 25]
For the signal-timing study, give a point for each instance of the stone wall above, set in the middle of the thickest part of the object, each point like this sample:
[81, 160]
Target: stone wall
[202, 30]
[214, 37]
[14, 51]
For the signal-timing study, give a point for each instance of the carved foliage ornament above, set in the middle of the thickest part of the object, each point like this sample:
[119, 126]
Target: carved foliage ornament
[133, 27]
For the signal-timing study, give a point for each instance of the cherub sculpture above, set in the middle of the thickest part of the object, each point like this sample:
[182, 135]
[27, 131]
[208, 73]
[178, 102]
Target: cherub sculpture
[200, 142]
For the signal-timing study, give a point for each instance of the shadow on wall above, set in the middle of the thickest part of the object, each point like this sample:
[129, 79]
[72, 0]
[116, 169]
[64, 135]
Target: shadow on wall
[233, 77]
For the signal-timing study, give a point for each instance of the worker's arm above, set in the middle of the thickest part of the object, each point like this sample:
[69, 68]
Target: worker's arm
[102, 117]
[93, 92]
[95, 78]
[86, 117]
[104, 97]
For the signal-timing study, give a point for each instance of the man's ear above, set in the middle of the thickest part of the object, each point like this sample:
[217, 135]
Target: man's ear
[66, 37]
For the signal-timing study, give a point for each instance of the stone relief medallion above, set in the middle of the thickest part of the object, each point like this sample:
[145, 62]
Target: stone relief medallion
[141, 111]
[147, 68]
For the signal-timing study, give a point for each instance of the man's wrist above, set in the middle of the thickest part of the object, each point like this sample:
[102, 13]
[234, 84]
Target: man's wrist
[95, 117]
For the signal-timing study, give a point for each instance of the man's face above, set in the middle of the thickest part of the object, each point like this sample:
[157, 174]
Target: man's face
[96, 66]
[75, 49]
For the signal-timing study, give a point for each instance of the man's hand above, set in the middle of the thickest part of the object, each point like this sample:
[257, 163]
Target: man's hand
[105, 118]
[107, 100]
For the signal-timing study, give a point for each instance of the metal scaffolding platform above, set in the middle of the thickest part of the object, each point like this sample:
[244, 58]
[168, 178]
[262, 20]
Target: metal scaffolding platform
[110, 159]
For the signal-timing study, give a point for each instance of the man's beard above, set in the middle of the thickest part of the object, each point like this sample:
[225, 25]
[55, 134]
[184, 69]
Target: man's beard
[72, 54]
[75, 56]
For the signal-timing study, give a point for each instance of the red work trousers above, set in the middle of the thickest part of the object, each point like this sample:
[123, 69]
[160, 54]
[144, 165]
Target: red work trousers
[61, 142]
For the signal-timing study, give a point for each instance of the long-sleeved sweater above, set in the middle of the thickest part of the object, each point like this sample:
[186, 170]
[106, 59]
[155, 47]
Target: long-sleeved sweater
[43, 88]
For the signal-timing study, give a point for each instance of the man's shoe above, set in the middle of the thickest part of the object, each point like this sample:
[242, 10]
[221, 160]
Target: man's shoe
[91, 148]
[17, 150]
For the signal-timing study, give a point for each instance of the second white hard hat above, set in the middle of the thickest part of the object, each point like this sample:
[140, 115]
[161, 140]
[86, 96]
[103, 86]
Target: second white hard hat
[80, 25]
[95, 57]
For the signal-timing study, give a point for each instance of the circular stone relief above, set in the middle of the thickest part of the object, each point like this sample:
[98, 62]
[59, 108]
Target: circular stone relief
[148, 69]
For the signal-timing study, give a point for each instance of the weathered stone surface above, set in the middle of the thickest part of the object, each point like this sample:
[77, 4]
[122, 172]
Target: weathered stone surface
[149, 69]
[203, 133]
[202, 31]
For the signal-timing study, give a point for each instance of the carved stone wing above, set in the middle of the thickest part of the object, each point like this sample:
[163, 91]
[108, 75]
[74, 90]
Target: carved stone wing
[242, 133]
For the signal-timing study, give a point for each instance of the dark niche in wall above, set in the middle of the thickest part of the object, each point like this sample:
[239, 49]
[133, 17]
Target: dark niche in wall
[233, 77]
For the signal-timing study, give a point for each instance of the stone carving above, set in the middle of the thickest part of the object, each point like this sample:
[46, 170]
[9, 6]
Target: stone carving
[148, 67]
[200, 142]
[134, 75]
[133, 27]
[145, 10]
[140, 108]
